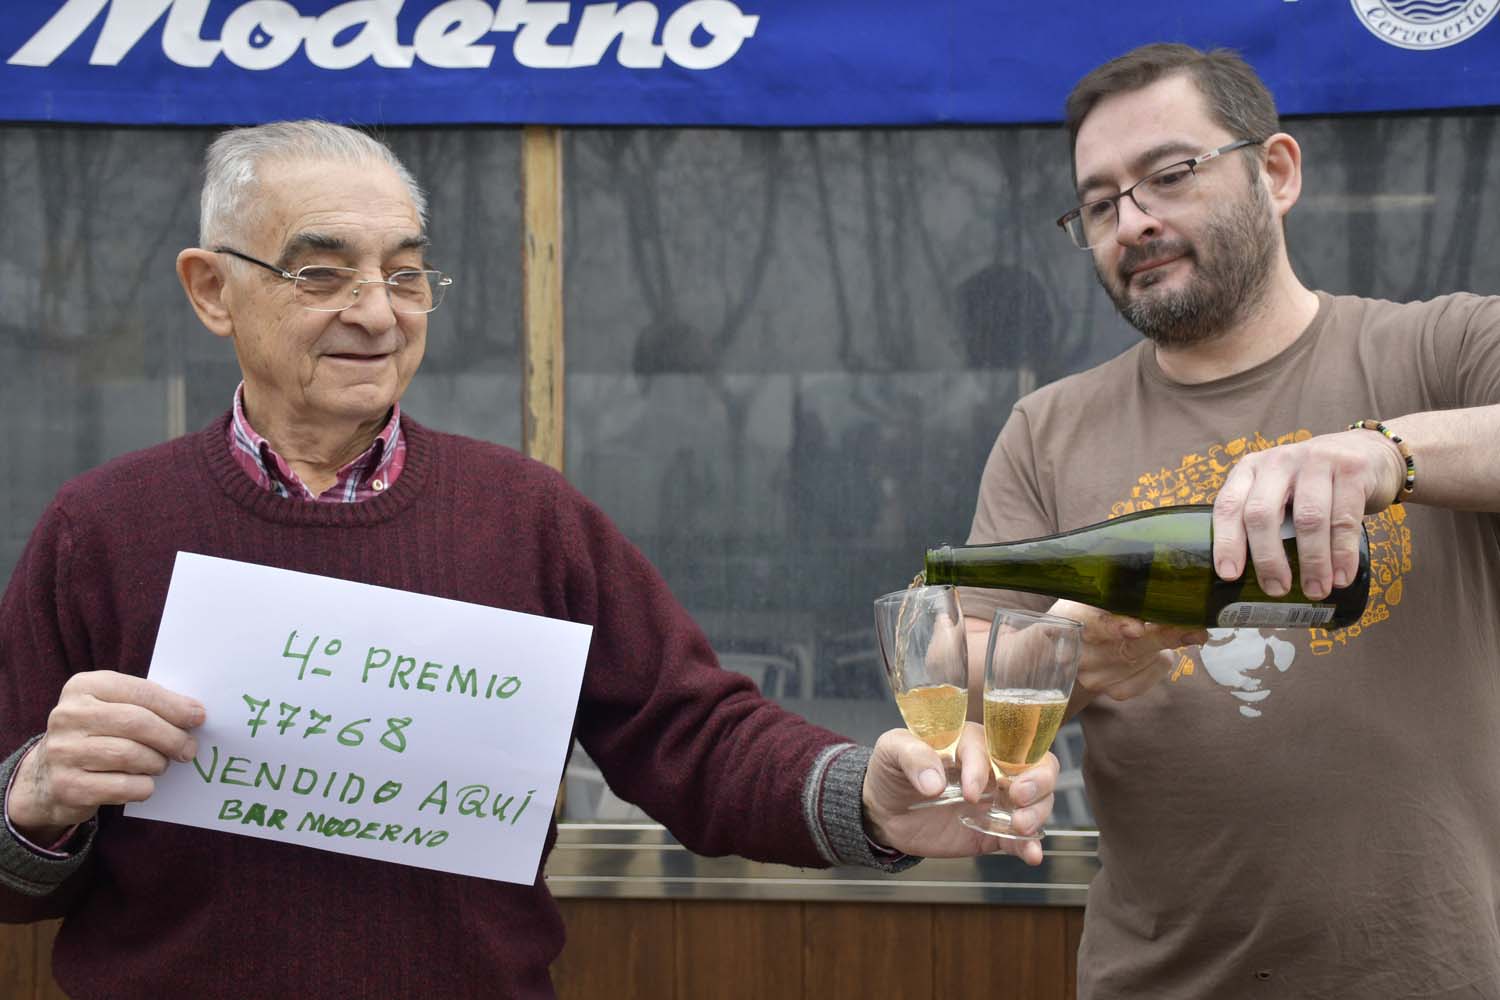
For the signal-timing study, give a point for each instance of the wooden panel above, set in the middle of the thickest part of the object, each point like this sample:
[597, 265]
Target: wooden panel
[26, 961]
[18, 961]
[1001, 952]
[616, 948]
[46, 989]
[1075, 935]
[739, 951]
[852, 951]
[663, 950]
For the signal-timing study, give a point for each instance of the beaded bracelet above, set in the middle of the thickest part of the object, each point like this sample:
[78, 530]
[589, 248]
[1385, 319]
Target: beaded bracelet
[1409, 483]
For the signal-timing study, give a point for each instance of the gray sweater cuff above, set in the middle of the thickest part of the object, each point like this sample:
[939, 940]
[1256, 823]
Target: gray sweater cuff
[23, 869]
[833, 805]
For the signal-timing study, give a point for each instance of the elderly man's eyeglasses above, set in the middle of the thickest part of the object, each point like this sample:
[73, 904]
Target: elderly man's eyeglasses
[324, 288]
[1095, 222]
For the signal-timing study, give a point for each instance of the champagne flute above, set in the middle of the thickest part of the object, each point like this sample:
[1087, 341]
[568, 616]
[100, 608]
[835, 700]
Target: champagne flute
[925, 652]
[1029, 667]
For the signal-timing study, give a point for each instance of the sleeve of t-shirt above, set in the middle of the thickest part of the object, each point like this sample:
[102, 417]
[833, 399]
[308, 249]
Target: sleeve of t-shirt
[1477, 371]
[1460, 348]
[1013, 503]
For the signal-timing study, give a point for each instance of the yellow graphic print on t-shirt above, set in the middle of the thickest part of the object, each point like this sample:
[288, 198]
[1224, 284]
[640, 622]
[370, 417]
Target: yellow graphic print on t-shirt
[1241, 659]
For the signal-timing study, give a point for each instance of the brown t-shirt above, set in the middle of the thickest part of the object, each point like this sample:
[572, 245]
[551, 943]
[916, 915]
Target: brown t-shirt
[1296, 812]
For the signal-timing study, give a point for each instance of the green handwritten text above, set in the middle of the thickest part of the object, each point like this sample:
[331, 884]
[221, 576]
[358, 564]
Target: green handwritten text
[352, 827]
[406, 674]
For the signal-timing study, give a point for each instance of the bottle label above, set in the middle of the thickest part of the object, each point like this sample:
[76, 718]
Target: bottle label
[1262, 614]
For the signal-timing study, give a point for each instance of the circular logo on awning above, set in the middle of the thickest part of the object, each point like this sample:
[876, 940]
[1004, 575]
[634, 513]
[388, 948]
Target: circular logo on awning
[1424, 24]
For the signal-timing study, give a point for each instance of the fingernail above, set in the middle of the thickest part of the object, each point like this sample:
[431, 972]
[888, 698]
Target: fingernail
[1021, 793]
[1340, 579]
[930, 782]
[187, 753]
[1226, 570]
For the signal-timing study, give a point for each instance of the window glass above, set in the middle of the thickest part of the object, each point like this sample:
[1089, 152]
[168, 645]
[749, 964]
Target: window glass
[790, 352]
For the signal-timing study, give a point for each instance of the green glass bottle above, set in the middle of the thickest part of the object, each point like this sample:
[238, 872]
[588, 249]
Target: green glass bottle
[1156, 565]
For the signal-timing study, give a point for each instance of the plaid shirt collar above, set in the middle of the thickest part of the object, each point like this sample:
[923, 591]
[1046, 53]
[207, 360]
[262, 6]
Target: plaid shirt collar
[369, 475]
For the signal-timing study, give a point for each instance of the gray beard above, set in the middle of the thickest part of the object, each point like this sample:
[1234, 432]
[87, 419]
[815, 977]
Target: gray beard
[1221, 292]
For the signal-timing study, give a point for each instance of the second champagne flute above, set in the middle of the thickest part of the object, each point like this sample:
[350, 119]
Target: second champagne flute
[1030, 664]
[925, 652]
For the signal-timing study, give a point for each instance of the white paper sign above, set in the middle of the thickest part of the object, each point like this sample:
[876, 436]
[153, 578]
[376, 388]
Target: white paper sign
[366, 720]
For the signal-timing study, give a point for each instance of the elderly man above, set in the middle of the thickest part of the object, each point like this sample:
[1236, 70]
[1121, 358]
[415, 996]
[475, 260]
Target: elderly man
[1376, 871]
[314, 265]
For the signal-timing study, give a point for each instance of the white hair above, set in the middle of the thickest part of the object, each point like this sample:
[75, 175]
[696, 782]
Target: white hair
[230, 168]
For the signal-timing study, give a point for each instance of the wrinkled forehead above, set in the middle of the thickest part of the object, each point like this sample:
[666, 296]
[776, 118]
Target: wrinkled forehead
[356, 208]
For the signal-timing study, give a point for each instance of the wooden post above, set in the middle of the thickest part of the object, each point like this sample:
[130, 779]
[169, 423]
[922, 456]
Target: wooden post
[542, 294]
[542, 304]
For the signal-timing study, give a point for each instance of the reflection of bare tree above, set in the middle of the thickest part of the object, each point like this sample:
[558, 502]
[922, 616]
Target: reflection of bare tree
[873, 221]
[1007, 309]
[646, 168]
[92, 194]
[645, 165]
[442, 161]
[886, 229]
[1423, 258]
[736, 400]
[93, 219]
[71, 176]
[598, 409]
[882, 173]
[472, 181]
[877, 237]
[1365, 179]
[101, 214]
[1433, 271]
[1051, 348]
[831, 244]
[1438, 253]
[1456, 266]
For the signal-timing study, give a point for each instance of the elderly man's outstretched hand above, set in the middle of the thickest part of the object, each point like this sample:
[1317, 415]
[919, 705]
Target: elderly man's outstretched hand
[905, 771]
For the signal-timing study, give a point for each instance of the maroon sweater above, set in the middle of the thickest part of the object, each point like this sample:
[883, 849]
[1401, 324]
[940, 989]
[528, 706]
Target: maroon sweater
[198, 913]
